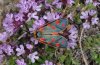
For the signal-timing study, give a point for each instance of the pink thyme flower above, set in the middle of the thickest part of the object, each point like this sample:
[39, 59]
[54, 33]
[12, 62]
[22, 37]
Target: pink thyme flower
[7, 49]
[34, 41]
[19, 17]
[51, 16]
[23, 6]
[20, 62]
[30, 3]
[87, 14]
[29, 46]
[1, 51]
[70, 16]
[70, 2]
[1, 58]
[57, 3]
[86, 25]
[8, 24]
[84, 15]
[33, 57]
[20, 50]
[26, 5]
[88, 1]
[47, 5]
[95, 20]
[94, 2]
[36, 7]
[34, 27]
[39, 22]
[72, 37]
[3, 36]
[33, 15]
[92, 12]
[48, 63]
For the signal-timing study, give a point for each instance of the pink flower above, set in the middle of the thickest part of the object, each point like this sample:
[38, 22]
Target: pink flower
[84, 15]
[37, 24]
[20, 62]
[8, 24]
[87, 14]
[95, 20]
[3, 36]
[47, 5]
[33, 57]
[33, 15]
[1, 51]
[86, 25]
[1, 58]
[72, 37]
[19, 17]
[20, 50]
[40, 22]
[48, 63]
[23, 6]
[88, 1]
[34, 40]
[57, 3]
[51, 16]
[94, 2]
[36, 7]
[29, 46]
[92, 12]
[34, 27]
[7, 49]
[70, 16]
[70, 2]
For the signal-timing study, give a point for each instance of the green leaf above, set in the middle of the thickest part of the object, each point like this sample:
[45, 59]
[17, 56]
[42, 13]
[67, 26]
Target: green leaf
[62, 58]
[90, 6]
[49, 49]
[11, 61]
[30, 23]
[49, 1]
[77, 19]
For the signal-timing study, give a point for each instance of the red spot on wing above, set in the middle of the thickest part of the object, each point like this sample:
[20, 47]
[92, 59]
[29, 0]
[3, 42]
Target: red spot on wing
[63, 42]
[42, 39]
[49, 42]
[53, 39]
[54, 33]
[57, 45]
[57, 22]
[41, 29]
[49, 25]
[63, 25]
[53, 27]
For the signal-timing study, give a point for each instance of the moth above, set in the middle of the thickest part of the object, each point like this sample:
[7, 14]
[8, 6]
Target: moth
[53, 33]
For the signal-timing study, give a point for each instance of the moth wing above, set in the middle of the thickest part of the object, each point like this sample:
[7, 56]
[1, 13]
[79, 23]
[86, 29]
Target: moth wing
[54, 40]
[55, 26]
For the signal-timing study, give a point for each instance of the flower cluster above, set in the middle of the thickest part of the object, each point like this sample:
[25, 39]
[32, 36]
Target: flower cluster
[48, 63]
[20, 62]
[90, 17]
[20, 28]
[73, 37]
[94, 2]
[33, 57]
